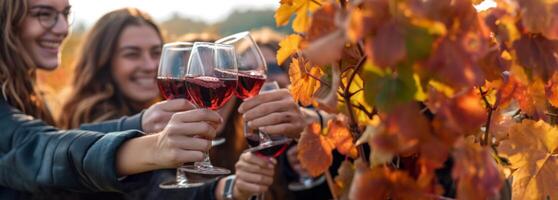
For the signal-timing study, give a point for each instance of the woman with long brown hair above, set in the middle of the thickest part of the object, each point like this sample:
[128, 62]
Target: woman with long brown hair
[35, 157]
[115, 70]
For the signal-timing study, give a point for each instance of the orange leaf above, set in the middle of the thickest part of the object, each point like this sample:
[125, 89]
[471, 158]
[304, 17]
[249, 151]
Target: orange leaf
[458, 116]
[532, 149]
[314, 151]
[303, 86]
[287, 47]
[323, 21]
[475, 171]
[540, 17]
[552, 90]
[383, 183]
[530, 94]
[341, 138]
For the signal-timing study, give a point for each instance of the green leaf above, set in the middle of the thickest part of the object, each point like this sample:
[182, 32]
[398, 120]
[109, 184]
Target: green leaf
[418, 42]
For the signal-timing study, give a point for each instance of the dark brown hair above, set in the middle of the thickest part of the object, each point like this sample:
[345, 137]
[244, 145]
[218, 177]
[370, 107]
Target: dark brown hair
[94, 96]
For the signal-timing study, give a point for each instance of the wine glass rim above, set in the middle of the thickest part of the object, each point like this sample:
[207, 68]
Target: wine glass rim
[210, 44]
[173, 44]
[233, 38]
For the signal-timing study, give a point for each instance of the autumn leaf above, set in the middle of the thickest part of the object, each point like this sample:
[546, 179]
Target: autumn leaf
[475, 172]
[460, 115]
[451, 64]
[303, 10]
[384, 183]
[552, 90]
[323, 21]
[540, 16]
[304, 83]
[366, 18]
[314, 151]
[341, 138]
[532, 149]
[387, 48]
[287, 47]
[537, 54]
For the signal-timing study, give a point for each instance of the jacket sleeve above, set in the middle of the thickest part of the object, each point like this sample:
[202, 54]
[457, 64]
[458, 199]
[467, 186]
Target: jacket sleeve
[36, 157]
[121, 124]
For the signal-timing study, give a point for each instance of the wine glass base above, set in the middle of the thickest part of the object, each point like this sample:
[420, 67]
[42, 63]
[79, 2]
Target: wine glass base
[307, 184]
[267, 145]
[173, 184]
[204, 172]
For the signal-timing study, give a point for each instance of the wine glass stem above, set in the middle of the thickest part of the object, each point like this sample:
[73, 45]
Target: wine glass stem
[264, 138]
[205, 163]
[181, 177]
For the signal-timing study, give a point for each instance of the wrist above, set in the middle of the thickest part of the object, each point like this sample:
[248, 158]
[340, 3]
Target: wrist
[127, 161]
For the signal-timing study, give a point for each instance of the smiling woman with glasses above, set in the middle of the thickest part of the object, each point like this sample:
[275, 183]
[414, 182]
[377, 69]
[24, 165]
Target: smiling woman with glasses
[48, 16]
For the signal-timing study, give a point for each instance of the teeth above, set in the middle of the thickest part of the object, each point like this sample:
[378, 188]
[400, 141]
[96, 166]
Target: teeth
[146, 81]
[49, 44]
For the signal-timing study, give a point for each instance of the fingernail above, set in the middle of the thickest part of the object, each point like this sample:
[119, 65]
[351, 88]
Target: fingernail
[272, 161]
[249, 124]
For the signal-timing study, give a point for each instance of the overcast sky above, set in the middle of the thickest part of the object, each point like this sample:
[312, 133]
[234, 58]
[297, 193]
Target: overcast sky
[89, 11]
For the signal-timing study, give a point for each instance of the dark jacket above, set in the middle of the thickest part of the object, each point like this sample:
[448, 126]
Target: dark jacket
[38, 161]
[36, 157]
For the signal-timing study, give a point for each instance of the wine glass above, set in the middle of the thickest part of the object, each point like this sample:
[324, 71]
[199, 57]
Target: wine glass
[276, 144]
[211, 79]
[172, 68]
[251, 77]
[171, 79]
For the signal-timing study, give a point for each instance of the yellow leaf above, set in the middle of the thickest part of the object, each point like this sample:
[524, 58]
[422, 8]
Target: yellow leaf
[304, 81]
[303, 10]
[283, 14]
[287, 47]
[532, 149]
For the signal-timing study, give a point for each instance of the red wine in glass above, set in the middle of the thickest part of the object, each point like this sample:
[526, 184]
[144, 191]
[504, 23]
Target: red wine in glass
[270, 151]
[210, 92]
[172, 88]
[249, 83]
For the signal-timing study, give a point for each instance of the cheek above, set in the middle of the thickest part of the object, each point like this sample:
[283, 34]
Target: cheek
[122, 71]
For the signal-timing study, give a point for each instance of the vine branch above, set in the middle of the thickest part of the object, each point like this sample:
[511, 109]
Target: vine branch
[486, 138]
[355, 130]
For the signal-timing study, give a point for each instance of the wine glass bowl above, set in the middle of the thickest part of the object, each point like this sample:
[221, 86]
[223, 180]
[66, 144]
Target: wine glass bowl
[252, 67]
[211, 76]
[172, 67]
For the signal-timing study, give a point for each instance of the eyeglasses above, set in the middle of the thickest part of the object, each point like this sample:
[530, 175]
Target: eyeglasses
[48, 16]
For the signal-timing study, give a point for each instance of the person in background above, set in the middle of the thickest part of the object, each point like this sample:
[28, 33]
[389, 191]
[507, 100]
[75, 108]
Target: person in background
[115, 75]
[35, 157]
